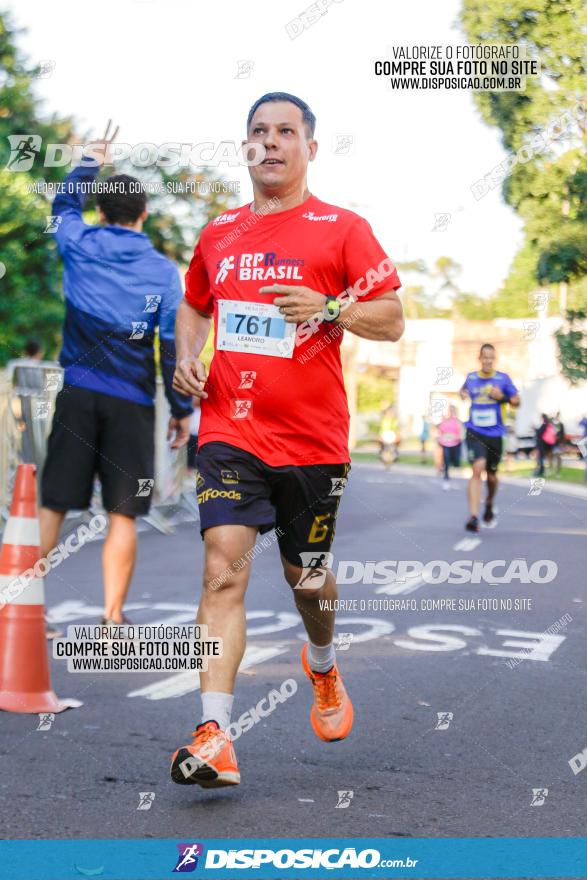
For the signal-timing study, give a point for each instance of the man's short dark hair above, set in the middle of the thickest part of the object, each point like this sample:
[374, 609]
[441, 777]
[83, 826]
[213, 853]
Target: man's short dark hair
[486, 345]
[307, 115]
[122, 199]
[32, 348]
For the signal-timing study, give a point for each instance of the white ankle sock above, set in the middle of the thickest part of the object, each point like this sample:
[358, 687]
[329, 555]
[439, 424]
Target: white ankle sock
[217, 707]
[321, 657]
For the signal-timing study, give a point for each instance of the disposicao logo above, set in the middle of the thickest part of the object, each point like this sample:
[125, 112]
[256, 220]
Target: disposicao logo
[187, 860]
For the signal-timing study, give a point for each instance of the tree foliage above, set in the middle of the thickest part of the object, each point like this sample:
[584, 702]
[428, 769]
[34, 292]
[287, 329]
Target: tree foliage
[31, 302]
[545, 128]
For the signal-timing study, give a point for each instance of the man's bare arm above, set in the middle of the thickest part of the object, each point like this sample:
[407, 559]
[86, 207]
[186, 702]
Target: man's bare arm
[191, 332]
[380, 319]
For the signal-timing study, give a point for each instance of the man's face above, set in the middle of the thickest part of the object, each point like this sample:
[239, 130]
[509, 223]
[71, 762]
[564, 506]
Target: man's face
[279, 127]
[487, 358]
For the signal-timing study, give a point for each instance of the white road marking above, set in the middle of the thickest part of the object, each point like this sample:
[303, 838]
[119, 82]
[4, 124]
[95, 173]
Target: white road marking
[186, 682]
[395, 589]
[467, 544]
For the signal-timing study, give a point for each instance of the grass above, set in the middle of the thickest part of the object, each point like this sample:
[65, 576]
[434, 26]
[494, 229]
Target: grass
[522, 468]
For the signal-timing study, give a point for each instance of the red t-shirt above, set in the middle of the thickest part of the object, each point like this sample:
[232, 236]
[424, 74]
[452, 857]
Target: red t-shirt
[288, 407]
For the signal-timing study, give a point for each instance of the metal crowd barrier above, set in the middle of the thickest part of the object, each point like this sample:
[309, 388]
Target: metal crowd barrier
[28, 389]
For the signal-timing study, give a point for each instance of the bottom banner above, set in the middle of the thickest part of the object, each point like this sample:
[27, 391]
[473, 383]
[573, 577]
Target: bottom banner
[280, 858]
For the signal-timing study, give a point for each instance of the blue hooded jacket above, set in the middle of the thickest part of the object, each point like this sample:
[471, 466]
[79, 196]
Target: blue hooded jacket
[118, 289]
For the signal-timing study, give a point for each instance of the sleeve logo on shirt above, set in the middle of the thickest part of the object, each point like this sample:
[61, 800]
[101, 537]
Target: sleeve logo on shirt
[225, 218]
[329, 218]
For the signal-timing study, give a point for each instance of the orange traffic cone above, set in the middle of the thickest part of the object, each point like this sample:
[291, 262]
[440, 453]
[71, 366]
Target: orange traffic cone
[25, 684]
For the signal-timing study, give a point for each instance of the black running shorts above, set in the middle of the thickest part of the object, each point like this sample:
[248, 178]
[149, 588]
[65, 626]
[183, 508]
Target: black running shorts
[96, 434]
[481, 446]
[301, 501]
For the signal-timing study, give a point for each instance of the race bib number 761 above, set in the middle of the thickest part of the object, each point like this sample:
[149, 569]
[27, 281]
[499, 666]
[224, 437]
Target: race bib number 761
[255, 328]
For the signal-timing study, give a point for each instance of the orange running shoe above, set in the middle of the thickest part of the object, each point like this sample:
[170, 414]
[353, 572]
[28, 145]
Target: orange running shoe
[209, 761]
[332, 712]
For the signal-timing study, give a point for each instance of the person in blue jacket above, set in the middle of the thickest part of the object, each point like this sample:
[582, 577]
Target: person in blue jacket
[118, 290]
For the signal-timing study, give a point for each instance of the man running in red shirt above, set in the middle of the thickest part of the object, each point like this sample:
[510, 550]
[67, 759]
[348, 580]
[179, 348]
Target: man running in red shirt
[282, 278]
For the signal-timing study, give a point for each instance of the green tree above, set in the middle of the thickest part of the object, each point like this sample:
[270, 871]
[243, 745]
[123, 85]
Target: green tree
[545, 127]
[31, 302]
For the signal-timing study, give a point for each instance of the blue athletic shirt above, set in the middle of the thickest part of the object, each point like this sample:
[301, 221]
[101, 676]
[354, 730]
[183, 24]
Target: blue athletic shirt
[118, 289]
[486, 415]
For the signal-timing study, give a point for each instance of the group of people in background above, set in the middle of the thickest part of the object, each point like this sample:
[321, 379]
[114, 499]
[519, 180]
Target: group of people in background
[449, 434]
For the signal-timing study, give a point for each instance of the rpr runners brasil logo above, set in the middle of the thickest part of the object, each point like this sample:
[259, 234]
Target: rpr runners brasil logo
[260, 267]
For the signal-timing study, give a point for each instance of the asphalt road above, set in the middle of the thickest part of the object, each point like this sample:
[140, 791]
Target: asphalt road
[514, 681]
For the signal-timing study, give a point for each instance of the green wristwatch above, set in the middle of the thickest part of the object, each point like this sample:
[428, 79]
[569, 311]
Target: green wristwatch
[331, 309]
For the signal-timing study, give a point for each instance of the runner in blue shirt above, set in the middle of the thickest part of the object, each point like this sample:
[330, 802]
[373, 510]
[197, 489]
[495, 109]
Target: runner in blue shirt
[489, 392]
